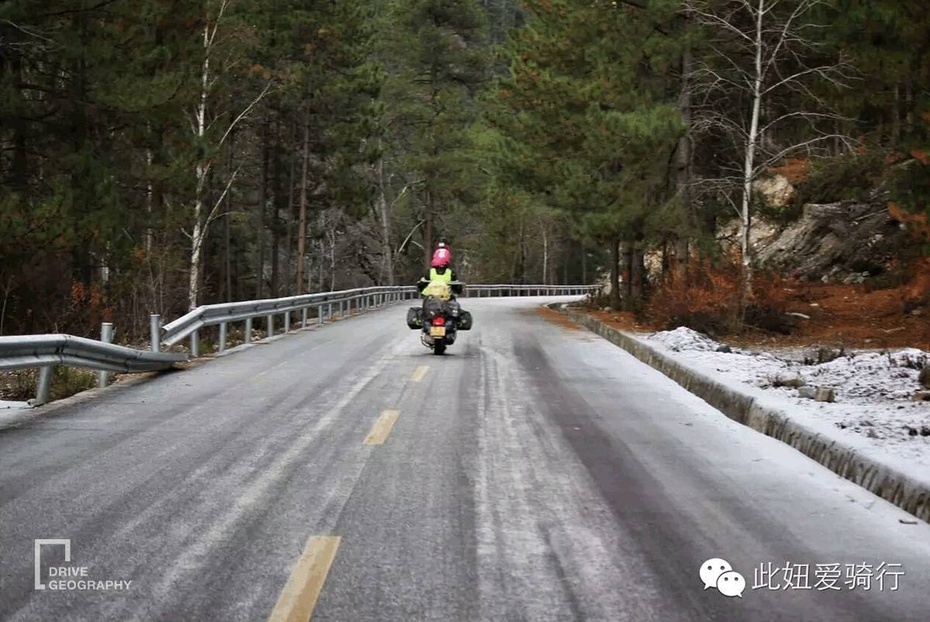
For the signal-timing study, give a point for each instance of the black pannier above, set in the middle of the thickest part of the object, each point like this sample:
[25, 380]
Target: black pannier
[414, 318]
[465, 320]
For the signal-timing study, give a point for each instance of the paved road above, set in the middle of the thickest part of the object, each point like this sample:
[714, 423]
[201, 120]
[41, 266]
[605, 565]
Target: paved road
[533, 473]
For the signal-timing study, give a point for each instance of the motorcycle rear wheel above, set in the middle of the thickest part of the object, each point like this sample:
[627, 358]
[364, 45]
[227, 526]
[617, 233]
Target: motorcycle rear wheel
[439, 347]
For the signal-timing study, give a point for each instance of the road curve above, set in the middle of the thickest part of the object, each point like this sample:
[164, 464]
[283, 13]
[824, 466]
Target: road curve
[534, 472]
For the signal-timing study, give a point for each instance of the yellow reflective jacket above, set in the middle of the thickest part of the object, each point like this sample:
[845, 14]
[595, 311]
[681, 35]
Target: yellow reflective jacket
[438, 286]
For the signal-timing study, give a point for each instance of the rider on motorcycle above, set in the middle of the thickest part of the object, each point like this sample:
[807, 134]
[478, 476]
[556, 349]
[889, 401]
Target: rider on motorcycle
[440, 276]
[440, 269]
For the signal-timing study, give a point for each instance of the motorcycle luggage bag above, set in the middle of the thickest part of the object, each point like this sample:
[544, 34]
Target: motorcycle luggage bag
[414, 318]
[433, 308]
[464, 320]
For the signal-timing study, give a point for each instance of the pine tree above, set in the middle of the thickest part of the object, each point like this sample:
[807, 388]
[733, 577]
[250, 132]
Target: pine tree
[589, 124]
[439, 55]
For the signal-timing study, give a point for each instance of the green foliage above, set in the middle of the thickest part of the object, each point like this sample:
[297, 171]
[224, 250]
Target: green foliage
[850, 177]
[530, 134]
[587, 121]
[438, 62]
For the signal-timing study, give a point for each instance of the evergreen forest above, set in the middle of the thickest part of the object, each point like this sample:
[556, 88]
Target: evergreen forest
[158, 155]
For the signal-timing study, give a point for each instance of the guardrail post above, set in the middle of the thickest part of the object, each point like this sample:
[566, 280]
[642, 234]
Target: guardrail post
[248, 330]
[287, 322]
[270, 321]
[222, 345]
[195, 343]
[44, 389]
[155, 331]
[106, 336]
[303, 317]
[329, 311]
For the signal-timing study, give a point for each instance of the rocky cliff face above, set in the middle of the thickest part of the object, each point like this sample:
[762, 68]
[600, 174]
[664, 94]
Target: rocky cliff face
[837, 242]
[845, 242]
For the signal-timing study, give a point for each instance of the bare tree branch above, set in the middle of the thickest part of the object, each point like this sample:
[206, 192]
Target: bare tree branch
[242, 114]
[759, 39]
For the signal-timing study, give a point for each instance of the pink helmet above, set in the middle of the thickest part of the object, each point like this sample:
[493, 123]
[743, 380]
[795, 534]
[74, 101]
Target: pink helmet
[441, 258]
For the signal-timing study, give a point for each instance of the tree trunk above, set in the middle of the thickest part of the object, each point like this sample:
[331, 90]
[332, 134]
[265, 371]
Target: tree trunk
[750, 159]
[201, 170]
[302, 219]
[289, 235]
[227, 260]
[629, 301]
[262, 206]
[637, 276]
[149, 205]
[428, 234]
[20, 164]
[388, 253]
[275, 200]
[683, 160]
[545, 266]
[584, 264]
[615, 298]
[227, 232]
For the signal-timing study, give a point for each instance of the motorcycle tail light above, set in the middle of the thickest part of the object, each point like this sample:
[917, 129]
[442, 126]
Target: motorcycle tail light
[438, 321]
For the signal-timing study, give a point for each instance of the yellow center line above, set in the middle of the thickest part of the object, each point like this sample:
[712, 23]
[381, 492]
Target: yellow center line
[381, 429]
[298, 599]
[419, 372]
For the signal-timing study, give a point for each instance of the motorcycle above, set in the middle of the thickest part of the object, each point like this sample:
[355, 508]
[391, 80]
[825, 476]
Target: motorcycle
[440, 317]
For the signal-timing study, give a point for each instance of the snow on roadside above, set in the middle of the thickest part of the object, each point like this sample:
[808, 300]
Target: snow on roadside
[873, 390]
[6, 405]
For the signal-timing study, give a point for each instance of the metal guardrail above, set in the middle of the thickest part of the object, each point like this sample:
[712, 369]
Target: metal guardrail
[326, 306]
[49, 351]
[531, 290]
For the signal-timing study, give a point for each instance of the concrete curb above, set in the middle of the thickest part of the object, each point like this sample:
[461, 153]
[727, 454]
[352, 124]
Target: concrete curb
[904, 491]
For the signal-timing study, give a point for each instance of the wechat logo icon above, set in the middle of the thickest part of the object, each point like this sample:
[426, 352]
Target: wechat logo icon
[718, 573]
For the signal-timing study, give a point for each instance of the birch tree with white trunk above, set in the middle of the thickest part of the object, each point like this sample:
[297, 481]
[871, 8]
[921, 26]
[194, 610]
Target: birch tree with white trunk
[760, 52]
[201, 124]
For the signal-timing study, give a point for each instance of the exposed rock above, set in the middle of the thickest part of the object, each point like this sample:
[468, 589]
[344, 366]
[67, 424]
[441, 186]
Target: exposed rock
[924, 377]
[762, 234]
[822, 355]
[795, 382]
[921, 396]
[776, 190]
[856, 278]
[819, 394]
[725, 348]
[836, 242]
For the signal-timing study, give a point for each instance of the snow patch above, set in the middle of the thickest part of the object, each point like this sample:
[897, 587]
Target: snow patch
[873, 391]
[5, 405]
[683, 338]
